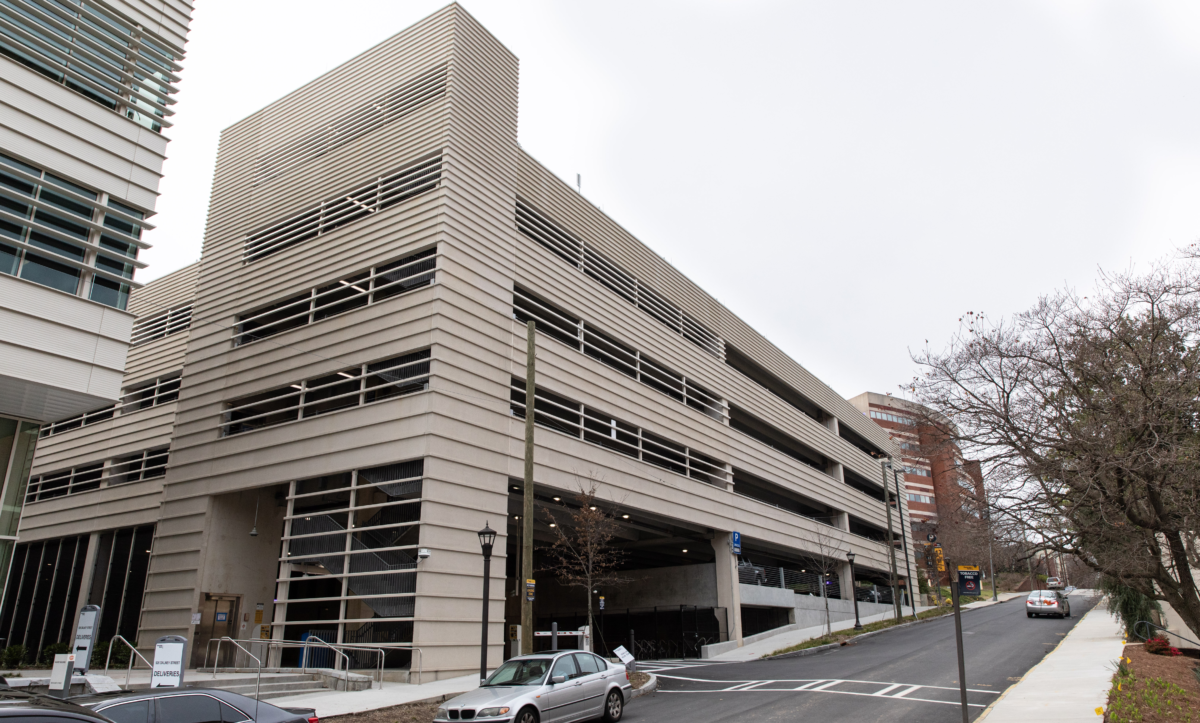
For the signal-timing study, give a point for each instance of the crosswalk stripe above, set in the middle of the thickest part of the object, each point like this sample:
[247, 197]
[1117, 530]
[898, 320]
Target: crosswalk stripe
[887, 690]
[809, 684]
[906, 691]
[827, 685]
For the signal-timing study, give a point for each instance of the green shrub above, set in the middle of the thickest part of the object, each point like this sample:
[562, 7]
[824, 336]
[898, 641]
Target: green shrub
[48, 653]
[1128, 605]
[120, 655]
[14, 656]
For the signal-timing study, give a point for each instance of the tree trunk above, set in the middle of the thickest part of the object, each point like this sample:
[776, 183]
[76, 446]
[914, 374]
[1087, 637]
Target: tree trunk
[828, 627]
[590, 627]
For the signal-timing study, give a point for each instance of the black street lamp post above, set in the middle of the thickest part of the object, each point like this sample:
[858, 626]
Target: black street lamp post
[487, 537]
[857, 624]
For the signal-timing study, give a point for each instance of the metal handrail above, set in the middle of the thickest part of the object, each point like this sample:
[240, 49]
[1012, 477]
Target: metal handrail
[381, 648]
[304, 655]
[129, 667]
[1149, 624]
[258, 680]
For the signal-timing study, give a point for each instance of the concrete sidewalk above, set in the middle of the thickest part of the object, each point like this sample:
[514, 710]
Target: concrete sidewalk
[1072, 681]
[764, 647]
[342, 703]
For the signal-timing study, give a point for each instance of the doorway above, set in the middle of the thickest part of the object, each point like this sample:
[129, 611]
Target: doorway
[218, 619]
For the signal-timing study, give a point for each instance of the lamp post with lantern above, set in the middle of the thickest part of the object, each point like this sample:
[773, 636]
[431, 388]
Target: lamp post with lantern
[857, 624]
[487, 538]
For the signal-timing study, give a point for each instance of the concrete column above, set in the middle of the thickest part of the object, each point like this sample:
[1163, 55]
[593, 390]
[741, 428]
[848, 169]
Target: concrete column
[85, 589]
[728, 594]
[844, 581]
[832, 422]
[842, 521]
[834, 470]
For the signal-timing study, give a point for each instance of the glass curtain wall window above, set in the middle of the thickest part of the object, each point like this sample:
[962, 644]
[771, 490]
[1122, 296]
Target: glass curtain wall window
[95, 52]
[59, 234]
[18, 438]
[348, 569]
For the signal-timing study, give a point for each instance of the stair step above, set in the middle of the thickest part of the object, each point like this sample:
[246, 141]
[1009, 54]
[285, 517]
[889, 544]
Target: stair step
[290, 693]
[268, 687]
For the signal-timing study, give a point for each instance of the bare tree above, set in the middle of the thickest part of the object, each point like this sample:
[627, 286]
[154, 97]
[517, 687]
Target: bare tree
[582, 554]
[1085, 414]
[830, 554]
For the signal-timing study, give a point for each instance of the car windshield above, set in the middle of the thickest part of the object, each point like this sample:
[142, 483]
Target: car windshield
[529, 671]
[1042, 593]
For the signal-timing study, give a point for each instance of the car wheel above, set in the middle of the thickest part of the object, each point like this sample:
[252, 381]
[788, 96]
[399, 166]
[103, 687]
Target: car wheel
[527, 715]
[614, 707]
[1028, 615]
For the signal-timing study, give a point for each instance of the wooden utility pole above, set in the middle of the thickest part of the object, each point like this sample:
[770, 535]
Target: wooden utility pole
[527, 511]
[890, 540]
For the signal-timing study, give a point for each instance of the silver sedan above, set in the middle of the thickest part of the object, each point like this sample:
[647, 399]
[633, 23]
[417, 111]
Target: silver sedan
[1047, 602]
[557, 687]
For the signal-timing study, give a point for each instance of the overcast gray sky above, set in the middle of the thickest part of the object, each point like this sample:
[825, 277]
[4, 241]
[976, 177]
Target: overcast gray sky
[848, 177]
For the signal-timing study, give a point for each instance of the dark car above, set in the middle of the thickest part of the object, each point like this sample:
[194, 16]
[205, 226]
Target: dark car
[190, 705]
[36, 708]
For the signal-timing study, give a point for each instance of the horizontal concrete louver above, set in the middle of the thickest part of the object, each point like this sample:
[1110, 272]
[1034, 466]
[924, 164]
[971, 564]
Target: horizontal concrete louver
[346, 208]
[582, 256]
[376, 113]
[164, 323]
[113, 60]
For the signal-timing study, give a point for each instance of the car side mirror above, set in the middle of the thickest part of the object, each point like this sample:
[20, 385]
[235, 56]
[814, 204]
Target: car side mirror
[558, 679]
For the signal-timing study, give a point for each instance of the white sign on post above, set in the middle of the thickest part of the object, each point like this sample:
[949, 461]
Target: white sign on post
[623, 654]
[85, 634]
[60, 675]
[168, 662]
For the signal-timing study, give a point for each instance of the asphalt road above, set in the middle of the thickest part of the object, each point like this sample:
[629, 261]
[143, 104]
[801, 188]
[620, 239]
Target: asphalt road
[904, 675]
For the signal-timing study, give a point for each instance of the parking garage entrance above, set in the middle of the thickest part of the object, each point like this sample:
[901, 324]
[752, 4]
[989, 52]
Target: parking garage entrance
[665, 604]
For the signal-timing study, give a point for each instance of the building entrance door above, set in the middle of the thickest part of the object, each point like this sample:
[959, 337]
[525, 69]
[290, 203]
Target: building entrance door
[218, 619]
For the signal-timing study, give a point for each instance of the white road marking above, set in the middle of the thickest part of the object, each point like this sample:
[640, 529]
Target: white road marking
[826, 685]
[887, 690]
[808, 685]
[903, 693]
[810, 680]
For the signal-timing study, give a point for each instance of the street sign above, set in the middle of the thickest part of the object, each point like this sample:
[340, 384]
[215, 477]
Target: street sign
[969, 580]
[85, 635]
[735, 542]
[168, 662]
[601, 602]
[623, 654]
[931, 537]
[529, 586]
[940, 557]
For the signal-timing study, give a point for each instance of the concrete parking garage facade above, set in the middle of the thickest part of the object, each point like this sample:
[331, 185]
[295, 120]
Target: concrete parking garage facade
[342, 372]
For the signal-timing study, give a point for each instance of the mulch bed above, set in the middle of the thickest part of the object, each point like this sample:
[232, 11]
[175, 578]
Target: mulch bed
[637, 680]
[1160, 689]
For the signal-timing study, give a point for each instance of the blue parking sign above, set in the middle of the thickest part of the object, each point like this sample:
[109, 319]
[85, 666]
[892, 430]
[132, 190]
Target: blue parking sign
[735, 541]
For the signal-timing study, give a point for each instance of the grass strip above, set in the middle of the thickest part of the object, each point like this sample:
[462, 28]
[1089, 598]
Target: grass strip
[843, 636]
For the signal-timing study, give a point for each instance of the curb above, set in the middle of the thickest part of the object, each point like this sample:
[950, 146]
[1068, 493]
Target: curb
[650, 687]
[856, 638]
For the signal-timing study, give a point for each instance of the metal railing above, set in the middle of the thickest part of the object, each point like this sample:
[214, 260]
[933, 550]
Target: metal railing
[258, 679]
[799, 582]
[128, 668]
[1149, 625]
[338, 649]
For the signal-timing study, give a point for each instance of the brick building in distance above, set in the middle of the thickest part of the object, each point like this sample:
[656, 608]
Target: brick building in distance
[940, 486]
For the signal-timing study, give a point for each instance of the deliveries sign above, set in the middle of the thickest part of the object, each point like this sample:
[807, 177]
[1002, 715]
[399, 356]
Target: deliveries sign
[168, 662]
